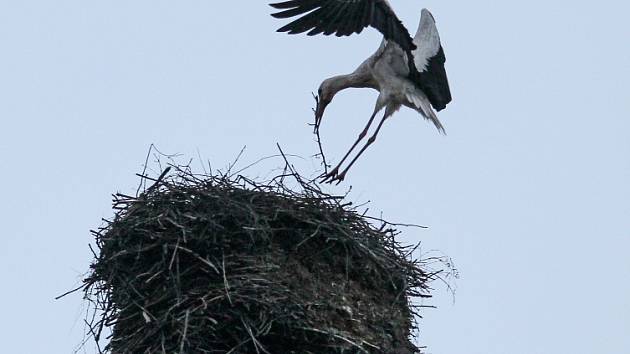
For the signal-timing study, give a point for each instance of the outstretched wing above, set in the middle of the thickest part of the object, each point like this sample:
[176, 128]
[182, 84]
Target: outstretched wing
[429, 60]
[343, 18]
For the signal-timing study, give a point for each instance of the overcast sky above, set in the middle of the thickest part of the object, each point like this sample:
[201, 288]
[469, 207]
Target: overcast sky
[528, 192]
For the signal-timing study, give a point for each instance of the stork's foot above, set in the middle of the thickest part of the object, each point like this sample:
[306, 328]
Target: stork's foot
[333, 176]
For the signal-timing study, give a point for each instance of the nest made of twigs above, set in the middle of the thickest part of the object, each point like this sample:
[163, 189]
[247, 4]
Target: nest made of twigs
[223, 264]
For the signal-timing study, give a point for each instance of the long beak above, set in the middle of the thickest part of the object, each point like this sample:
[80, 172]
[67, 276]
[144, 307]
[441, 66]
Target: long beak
[319, 111]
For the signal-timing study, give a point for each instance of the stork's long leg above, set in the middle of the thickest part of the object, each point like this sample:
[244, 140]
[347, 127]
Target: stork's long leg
[333, 174]
[361, 136]
[368, 143]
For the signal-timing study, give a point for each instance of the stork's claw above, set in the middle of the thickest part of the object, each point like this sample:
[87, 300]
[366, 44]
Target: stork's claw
[334, 176]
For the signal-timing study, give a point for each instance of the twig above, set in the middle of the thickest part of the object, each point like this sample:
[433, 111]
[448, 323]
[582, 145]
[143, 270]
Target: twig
[238, 157]
[70, 292]
[345, 339]
[144, 170]
[318, 137]
[98, 346]
[225, 281]
[261, 160]
[183, 340]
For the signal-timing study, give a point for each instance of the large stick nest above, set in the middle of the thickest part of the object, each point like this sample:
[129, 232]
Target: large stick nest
[221, 264]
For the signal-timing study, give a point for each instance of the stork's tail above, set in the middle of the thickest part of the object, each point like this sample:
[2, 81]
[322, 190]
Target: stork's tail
[421, 103]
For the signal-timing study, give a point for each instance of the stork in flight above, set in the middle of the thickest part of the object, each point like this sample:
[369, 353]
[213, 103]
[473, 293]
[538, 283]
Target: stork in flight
[406, 71]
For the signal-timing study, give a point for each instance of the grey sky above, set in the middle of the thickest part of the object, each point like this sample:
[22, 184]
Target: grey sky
[528, 193]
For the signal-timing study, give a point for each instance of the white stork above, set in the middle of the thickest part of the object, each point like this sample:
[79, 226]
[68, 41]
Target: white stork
[406, 71]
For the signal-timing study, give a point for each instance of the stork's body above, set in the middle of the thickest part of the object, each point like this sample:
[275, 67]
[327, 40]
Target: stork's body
[406, 71]
[388, 72]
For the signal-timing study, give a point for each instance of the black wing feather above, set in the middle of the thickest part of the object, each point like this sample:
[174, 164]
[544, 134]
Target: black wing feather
[343, 18]
[433, 81]
[427, 63]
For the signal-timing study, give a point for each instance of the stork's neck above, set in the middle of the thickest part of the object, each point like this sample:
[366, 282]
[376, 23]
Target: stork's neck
[342, 82]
